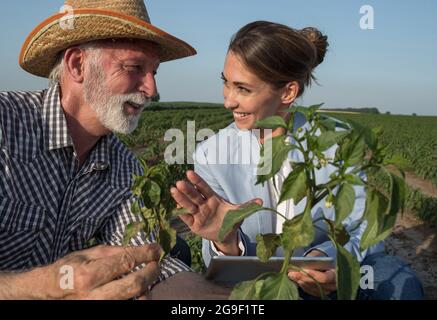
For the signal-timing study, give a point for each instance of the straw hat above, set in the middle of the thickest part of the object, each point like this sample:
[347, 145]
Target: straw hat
[94, 20]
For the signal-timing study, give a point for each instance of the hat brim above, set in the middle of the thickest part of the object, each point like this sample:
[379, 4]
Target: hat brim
[41, 48]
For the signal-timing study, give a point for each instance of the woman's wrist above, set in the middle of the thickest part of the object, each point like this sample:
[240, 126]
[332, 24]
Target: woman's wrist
[230, 246]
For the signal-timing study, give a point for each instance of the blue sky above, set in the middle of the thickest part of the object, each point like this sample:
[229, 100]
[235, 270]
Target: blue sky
[392, 67]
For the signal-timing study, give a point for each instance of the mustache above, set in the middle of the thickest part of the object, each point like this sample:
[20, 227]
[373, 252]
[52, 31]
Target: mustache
[137, 98]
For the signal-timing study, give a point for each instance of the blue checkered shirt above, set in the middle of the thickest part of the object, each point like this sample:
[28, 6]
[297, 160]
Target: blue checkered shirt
[49, 206]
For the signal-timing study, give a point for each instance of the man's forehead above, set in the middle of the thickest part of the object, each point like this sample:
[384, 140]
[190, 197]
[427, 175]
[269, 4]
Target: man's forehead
[135, 48]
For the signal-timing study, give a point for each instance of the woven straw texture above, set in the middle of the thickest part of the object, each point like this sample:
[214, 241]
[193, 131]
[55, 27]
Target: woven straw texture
[95, 20]
[129, 7]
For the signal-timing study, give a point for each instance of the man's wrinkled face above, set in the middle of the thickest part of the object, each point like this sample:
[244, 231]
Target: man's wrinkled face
[120, 82]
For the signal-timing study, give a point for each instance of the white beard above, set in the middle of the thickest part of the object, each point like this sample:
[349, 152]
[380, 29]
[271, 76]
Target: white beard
[108, 107]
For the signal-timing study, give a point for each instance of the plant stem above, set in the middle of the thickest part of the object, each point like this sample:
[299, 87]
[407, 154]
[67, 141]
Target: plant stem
[273, 210]
[286, 263]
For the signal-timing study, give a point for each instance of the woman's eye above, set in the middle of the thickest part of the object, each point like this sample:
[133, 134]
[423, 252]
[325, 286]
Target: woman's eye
[243, 89]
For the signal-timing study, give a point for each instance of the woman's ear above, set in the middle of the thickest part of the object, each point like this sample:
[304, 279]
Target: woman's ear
[74, 59]
[290, 92]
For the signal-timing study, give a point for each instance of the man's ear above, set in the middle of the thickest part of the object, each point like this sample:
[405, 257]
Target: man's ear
[290, 92]
[74, 60]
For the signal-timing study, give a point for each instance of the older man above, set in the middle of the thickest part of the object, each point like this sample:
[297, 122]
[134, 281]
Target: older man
[65, 177]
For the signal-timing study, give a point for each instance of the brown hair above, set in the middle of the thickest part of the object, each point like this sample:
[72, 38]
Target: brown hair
[278, 54]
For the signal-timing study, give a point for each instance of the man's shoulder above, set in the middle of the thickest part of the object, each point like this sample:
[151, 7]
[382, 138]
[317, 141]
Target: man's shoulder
[12, 99]
[20, 121]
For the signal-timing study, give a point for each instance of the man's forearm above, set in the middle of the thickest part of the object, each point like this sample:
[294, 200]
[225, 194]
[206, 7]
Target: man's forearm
[22, 285]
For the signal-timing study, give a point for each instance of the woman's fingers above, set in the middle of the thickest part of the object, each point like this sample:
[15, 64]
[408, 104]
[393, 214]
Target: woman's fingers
[325, 277]
[190, 192]
[326, 280]
[188, 219]
[200, 184]
[183, 200]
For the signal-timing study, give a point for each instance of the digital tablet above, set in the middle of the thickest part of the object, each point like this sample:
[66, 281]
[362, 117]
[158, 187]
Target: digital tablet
[231, 269]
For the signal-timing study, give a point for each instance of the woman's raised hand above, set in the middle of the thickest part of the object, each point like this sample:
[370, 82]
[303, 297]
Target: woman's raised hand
[206, 210]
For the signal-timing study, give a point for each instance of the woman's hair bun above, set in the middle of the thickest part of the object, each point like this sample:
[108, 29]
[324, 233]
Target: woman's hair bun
[319, 40]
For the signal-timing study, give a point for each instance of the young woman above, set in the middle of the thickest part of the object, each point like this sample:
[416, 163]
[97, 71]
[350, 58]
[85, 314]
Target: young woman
[267, 67]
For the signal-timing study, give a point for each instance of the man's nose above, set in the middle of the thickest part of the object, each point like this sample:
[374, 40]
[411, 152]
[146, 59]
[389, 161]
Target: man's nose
[148, 85]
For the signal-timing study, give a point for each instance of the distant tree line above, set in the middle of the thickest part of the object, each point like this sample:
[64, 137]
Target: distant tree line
[360, 110]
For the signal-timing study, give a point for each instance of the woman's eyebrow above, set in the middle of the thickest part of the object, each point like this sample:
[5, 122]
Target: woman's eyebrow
[237, 83]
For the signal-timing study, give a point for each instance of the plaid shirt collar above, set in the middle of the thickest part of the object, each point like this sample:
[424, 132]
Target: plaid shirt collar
[55, 129]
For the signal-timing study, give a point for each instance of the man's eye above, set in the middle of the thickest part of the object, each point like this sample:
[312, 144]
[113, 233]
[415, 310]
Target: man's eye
[132, 67]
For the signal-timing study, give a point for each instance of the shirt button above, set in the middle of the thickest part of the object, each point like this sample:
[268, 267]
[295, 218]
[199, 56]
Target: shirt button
[99, 166]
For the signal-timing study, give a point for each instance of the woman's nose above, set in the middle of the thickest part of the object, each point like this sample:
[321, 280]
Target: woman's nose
[229, 100]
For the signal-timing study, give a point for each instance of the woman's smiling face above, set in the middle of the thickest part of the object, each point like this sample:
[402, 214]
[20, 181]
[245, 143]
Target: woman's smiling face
[247, 96]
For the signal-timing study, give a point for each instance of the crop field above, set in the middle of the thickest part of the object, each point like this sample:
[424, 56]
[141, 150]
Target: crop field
[411, 139]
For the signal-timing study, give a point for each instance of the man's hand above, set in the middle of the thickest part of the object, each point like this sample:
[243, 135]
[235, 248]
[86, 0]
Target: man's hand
[326, 279]
[206, 211]
[95, 274]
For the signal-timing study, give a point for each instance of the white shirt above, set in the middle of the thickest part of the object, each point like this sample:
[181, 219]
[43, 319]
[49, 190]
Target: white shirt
[286, 208]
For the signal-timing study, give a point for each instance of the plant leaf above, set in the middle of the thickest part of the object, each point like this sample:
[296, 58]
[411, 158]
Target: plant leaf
[298, 232]
[138, 185]
[136, 210]
[278, 287]
[266, 245]
[295, 185]
[274, 152]
[131, 230]
[248, 290]
[354, 179]
[347, 274]
[234, 217]
[327, 139]
[344, 202]
[327, 124]
[379, 224]
[397, 195]
[351, 150]
[341, 235]
[167, 239]
[272, 123]
[245, 290]
[369, 136]
[154, 193]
